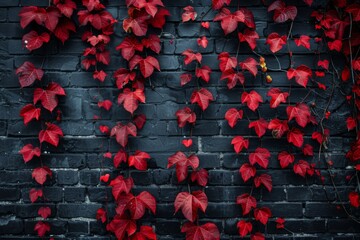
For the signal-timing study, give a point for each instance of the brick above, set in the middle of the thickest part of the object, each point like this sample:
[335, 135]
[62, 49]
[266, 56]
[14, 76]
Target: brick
[66, 177]
[89, 177]
[74, 194]
[9, 194]
[11, 227]
[77, 210]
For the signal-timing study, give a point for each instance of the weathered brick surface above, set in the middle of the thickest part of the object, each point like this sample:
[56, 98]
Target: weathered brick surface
[75, 192]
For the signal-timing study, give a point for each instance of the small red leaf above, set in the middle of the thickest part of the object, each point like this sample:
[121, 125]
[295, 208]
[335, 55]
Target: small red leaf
[187, 142]
[188, 14]
[40, 174]
[249, 36]
[51, 134]
[233, 115]
[139, 160]
[182, 163]
[265, 180]
[247, 202]
[44, 212]
[42, 228]
[185, 115]
[244, 228]
[185, 78]
[239, 143]
[120, 186]
[34, 194]
[202, 97]
[301, 167]
[260, 156]
[354, 199]
[28, 73]
[101, 215]
[122, 132]
[249, 64]
[296, 137]
[260, 126]
[301, 74]
[147, 65]
[49, 96]
[303, 41]
[201, 177]
[285, 159]
[190, 56]
[28, 152]
[262, 214]
[251, 99]
[105, 178]
[276, 42]
[277, 97]
[247, 171]
[33, 40]
[106, 104]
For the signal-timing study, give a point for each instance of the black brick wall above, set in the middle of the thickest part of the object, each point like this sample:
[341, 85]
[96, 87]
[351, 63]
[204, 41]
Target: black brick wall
[75, 192]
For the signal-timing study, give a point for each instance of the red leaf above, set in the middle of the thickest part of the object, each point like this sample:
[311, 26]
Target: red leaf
[202, 42]
[239, 143]
[247, 171]
[251, 99]
[128, 47]
[276, 41]
[145, 233]
[190, 203]
[48, 97]
[40, 173]
[201, 177]
[308, 2]
[159, 20]
[278, 127]
[249, 36]
[136, 204]
[99, 75]
[247, 203]
[105, 178]
[350, 123]
[285, 159]
[301, 74]
[139, 121]
[185, 78]
[28, 152]
[188, 14]
[232, 77]
[27, 74]
[280, 223]
[354, 9]
[277, 97]
[296, 137]
[120, 227]
[152, 42]
[324, 64]
[263, 179]
[260, 126]
[31, 13]
[257, 236]
[227, 63]
[203, 73]
[301, 167]
[229, 21]
[34, 41]
[122, 132]
[282, 13]
[182, 163]
[34, 194]
[249, 64]
[354, 199]
[208, 231]
[138, 160]
[121, 156]
[130, 99]
[303, 41]
[300, 112]
[205, 25]
[106, 104]
[320, 137]
[187, 142]
[191, 56]
[262, 214]
[121, 185]
[42, 228]
[51, 134]
[233, 115]
[185, 115]
[104, 129]
[63, 29]
[137, 24]
[244, 227]
[29, 112]
[52, 16]
[308, 150]
[44, 212]
[147, 65]
[260, 156]
[103, 57]
[335, 45]
[202, 97]
[217, 4]
[101, 215]
[66, 7]
[123, 76]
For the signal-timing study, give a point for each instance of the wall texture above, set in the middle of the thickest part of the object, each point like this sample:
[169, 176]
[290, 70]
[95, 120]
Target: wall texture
[75, 192]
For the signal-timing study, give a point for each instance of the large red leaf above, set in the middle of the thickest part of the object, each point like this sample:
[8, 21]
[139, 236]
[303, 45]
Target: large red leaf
[123, 76]
[63, 29]
[190, 203]
[301, 167]
[239, 143]
[40, 174]
[301, 74]
[128, 47]
[282, 13]
[217, 4]
[28, 152]
[120, 186]
[260, 156]
[122, 227]
[121, 156]
[31, 13]
[276, 41]
[296, 137]
[33, 40]
[229, 21]
[185, 115]
[122, 132]
[152, 42]
[202, 97]
[136, 204]
[303, 41]
[66, 7]
[145, 233]
[203, 73]
[51, 134]
[147, 65]
[300, 112]
[251, 99]
[233, 78]
[208, 231]
[182, 163]
[137, 24]
[130, 99]
[247, 171]
[49, 96]
[226, 62]
[247, 202]
[139, 160]
[27, 74]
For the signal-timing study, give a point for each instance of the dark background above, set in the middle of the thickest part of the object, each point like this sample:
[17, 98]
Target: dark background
[75, 193]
